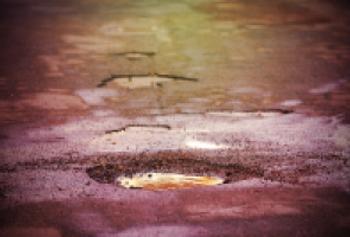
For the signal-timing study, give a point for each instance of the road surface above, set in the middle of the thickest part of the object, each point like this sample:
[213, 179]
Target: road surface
[250, 93]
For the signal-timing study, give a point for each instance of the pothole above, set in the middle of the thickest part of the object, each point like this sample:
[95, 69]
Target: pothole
[134, 81]
[170, 173]
[159, 181]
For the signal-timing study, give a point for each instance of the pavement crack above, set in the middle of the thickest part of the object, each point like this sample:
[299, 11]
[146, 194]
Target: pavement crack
[270, 110]
[123, 129]
[134, 54]
[257, 111]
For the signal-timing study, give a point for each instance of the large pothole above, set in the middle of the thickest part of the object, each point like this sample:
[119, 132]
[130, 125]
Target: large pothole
[170, 173]
[158, 181]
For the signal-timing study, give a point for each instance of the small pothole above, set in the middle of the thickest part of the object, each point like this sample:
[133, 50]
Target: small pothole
[170, 173]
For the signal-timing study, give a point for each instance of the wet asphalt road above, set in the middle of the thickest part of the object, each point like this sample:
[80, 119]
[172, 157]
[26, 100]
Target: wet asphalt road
[255, 93]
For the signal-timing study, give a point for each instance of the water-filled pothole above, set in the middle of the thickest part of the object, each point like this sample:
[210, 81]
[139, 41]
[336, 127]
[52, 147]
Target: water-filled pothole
[158, 181]
[170, 173]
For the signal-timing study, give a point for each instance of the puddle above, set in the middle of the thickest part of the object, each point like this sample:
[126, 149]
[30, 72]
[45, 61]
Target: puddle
[159, 181]
[195, 144]
[168, 172]
[134, 81]
[141, 82]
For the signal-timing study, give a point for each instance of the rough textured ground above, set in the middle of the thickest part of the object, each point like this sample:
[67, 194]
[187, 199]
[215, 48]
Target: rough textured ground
[251, 91]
